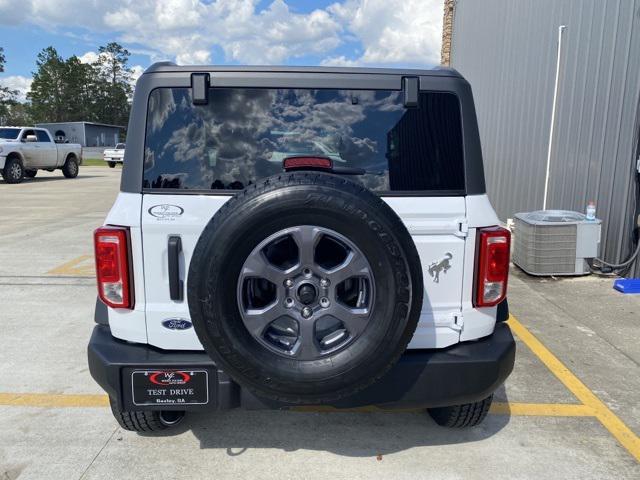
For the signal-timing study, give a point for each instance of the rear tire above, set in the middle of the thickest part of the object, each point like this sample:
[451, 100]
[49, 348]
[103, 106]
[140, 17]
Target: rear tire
[30, 173]
[462, 416]
[146, 420]
[70, 168]
[112, 164]
[13, 170]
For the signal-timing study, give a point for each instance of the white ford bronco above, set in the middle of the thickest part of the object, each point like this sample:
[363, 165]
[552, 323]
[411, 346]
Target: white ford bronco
[25, 150]
[301, 236]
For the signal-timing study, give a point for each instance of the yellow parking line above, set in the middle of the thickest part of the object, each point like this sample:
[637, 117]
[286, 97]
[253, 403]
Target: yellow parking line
[78, 266]
[610, 420]
[64, 400]
[50, 400]
[592, 405]
[541, 409]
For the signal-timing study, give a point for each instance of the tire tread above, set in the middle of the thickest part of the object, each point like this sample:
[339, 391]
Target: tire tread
[301, 179]
[138, 421]
[8, 163]
[462, 416]
[65, 168]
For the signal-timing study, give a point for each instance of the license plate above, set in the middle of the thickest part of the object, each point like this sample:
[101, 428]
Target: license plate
[170, 387]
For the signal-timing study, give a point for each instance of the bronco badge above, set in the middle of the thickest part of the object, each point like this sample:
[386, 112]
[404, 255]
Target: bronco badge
[441, 265]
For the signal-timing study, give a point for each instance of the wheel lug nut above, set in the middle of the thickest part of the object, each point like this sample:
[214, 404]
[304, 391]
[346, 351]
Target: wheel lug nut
[288, 302]
[306, 272]
[288, 283]
[324, 282]
[324, 302]
[306, 312]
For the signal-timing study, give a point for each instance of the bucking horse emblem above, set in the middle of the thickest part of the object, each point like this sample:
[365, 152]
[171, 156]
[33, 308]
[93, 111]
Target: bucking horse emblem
[441, 265]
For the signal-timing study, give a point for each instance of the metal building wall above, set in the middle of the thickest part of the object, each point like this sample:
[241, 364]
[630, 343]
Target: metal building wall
[101, 135]
[507, 51]
[74, 132]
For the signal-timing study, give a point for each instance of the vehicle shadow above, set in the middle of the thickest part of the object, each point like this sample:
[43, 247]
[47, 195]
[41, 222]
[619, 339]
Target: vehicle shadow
[52, 179]
[362, 433]
[348, 433]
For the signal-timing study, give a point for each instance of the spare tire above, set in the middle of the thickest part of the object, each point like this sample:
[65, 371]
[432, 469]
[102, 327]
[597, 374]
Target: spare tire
[305, 288]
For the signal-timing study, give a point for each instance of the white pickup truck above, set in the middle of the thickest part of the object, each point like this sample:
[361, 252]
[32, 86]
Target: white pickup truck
[114, 155]
[25, 150]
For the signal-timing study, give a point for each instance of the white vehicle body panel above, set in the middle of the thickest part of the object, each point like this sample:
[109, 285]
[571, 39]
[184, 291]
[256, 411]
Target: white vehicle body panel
[39, 154]
[113, 155]
[477, 322]
[443, 228]
[124, 323]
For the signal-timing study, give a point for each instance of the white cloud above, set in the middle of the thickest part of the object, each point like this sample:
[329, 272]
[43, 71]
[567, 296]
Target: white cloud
[136, 71]
[89, 57]
[340, 61]
[187, 30]
[394, 32]
[197, 57]
[18, 83]
[387, 32]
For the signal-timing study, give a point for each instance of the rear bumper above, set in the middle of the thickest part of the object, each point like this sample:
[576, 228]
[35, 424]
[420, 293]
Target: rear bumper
[462, 373]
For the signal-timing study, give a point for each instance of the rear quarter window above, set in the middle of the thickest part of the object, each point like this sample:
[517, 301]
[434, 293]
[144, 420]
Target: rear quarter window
[243, 135]
[42, 136]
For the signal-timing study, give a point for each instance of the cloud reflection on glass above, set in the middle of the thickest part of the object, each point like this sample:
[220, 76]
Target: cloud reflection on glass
[244, 134]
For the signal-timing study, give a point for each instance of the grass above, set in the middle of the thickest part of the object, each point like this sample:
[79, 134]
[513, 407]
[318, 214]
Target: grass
[94, 162]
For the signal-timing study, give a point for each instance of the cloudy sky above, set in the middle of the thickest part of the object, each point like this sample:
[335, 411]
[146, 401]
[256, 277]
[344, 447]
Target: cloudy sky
[286, 32]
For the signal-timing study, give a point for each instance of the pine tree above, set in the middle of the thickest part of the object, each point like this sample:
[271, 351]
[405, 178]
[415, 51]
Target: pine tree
[113, 85]
[47, 93]
[69, 90]
[79, 94]
[7, 96]
[18, 114]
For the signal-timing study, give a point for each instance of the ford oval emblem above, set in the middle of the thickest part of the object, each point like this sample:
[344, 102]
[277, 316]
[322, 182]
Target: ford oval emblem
[166, 212]
[176, 324]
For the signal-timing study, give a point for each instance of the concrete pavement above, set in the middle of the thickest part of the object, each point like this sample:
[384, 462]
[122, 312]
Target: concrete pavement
[47, 295]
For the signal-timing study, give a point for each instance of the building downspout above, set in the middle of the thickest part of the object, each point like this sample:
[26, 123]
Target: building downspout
[447, 32]
[552, 128]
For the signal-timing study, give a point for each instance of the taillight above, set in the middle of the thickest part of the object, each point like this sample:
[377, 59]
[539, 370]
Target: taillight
[112, 266]
[307, 162]
[492, 271]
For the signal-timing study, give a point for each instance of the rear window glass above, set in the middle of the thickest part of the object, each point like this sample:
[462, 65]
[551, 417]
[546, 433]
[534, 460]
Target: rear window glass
[244, 134]
[42, 136]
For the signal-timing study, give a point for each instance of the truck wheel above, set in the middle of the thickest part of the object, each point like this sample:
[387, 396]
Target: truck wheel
[305, 288]
[13, 171]
[70, 168]
[460, 416]
[112, 164]
[30, 173]
[146, 420]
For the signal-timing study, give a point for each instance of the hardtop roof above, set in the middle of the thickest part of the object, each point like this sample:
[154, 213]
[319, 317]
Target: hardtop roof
[437, 71]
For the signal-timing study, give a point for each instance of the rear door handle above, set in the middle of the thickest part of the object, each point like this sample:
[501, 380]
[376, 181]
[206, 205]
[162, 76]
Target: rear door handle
[175, 283]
